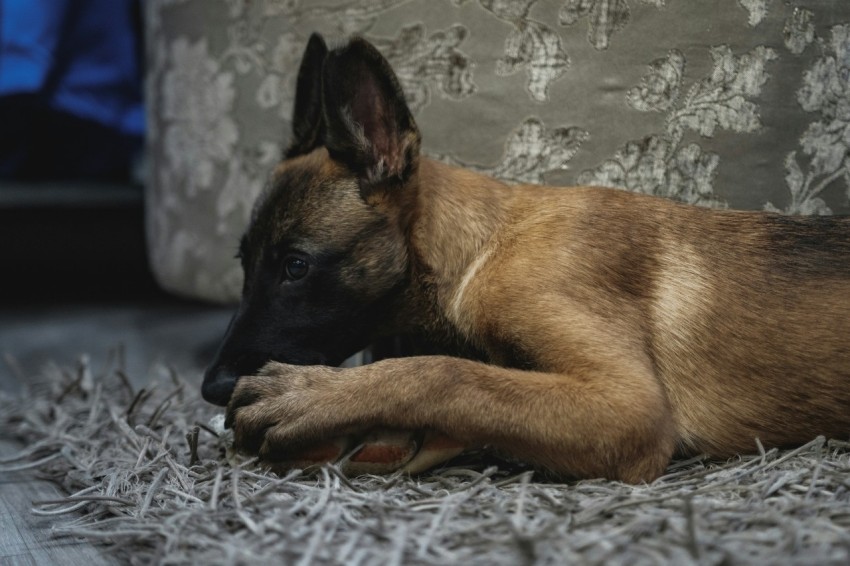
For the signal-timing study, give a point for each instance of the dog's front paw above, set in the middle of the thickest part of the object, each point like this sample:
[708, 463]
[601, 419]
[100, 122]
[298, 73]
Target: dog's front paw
[300, 416]
[294, 414]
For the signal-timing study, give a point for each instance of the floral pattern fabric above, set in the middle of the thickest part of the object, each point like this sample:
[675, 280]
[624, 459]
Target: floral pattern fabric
[734, 103]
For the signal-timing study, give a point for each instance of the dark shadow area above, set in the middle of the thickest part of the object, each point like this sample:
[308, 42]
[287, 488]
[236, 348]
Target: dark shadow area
[61, 243]
[41, 143]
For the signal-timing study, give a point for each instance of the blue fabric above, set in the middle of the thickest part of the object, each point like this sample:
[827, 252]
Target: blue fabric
[78, 56]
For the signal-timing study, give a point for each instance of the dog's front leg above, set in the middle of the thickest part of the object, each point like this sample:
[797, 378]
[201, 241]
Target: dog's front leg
[613, 424]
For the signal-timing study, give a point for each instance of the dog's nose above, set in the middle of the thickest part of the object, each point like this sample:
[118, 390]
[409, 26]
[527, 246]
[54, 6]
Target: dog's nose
[218, 386]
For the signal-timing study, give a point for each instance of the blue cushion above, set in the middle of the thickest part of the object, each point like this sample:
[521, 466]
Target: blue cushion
[79, 56]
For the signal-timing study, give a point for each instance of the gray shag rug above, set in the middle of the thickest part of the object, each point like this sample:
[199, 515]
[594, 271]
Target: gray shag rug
[151, 480]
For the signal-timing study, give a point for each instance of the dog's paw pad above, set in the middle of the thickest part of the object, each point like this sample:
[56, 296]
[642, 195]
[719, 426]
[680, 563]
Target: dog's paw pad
[381, 451]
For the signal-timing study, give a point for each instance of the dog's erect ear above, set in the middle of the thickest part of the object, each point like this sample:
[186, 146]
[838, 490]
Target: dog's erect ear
[368, 125]
[307, 120]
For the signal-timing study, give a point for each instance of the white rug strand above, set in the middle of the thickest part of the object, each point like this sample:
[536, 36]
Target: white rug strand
[137, 487]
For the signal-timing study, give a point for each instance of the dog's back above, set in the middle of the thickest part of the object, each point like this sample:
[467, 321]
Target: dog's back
[743, 316]
[752, 312]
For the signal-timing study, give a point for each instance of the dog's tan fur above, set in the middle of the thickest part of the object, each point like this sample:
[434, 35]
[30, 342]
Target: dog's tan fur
[619, 327]
[616, 328]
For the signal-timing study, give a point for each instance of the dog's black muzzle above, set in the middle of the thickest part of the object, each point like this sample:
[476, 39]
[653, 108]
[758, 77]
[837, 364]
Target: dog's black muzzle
[236, 356]
[254, 338]
[244, 351]
[219, 383]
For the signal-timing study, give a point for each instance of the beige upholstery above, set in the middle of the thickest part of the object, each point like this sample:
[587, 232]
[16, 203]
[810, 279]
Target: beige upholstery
[738, 103]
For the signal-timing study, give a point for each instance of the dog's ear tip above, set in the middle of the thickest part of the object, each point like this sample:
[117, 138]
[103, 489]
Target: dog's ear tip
[317, 44]
[359, 42]
[307, 111]
[355, 49]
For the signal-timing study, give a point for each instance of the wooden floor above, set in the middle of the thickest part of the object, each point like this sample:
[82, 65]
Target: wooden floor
[25, 538]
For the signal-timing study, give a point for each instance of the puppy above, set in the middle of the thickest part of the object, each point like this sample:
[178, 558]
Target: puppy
[589, 331]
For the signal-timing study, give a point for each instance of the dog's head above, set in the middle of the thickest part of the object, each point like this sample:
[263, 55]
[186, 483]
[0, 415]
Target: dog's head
[325, 253]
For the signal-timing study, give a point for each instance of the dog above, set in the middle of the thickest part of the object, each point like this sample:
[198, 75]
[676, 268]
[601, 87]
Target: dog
[590, 332]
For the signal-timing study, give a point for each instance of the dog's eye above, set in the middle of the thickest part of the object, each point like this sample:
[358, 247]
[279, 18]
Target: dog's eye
[295, 268]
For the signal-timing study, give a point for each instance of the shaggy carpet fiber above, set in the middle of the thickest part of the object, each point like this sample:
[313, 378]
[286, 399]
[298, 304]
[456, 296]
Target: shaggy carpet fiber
[151, 479]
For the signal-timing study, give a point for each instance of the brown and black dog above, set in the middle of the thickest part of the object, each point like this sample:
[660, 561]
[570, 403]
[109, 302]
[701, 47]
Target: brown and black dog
[592, 332]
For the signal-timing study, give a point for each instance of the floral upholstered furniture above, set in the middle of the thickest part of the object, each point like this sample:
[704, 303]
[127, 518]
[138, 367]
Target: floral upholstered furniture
[723, 103]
